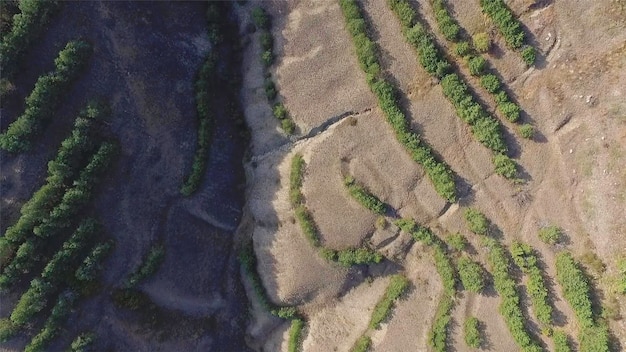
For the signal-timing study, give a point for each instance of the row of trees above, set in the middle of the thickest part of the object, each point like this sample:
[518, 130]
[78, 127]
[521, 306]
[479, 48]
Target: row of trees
[149, 265]
[526, 259]
[593, 335]
[398, 284]
[438, 172]
[26, 26]
[263, 23]
[52, 326]
[45, 97]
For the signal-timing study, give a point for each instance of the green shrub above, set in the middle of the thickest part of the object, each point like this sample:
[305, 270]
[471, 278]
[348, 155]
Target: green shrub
[438, 335]
[505, 166]
[363, 344]
[462, 49]
[308, 226]
[505, 21]
[267, 41]
[83, 342]
[471, 274]
[481, 42]
[267, 58]
[457, 241]
[476, 65]
[510, 110]
[528, 55]
[270, 89]
[296, 177]
[550, 234]
[260, 18]
[7, 329]
[476, 221]
[295, 335]
[445, 268]
[45, 97]
[527, 131]
[364, 197]
[280, 111]
[576, 287]
[356, 256]
[52, 326]
[288, 126]
[447, 25]
[490, 82]
[471, 331]
[397, 285]
[92, 263]
[149, 265]
[561, 343]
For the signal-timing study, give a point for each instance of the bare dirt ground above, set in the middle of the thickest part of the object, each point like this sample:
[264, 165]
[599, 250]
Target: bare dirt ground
[574, 170]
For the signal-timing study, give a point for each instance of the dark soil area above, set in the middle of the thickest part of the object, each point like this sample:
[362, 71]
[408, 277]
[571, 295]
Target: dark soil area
[146, 55]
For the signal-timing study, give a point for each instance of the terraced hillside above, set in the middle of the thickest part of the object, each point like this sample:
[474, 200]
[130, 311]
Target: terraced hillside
[313, 175]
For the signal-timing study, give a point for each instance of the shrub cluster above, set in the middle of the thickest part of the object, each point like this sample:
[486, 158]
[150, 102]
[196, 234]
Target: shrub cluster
[476, 221]
[439, 173]
[205, 87]
[397, 285]
[471, 274]
[561, 343]
[83, 342]
[263, 23]
[527, 131]
[295, 335]
[92, 263]
[576, 287]
[471, 332]
[550, 234]
[504, 166]
[52, 326]
[438, 335]
[447, 25]
[510, 306]
[364, 197]
[45, 97]
[456, 241]
[27, 24]
[363, 344]
[149, 265]
[481, 42]
[525, 258]
[505, 20]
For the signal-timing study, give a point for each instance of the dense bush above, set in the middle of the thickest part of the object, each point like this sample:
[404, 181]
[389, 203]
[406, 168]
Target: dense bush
[27, 24]
[45, 97]
[83, 342]
[52, 326]
[476, 65]
[510, 110]
[355, 256]
[397, 285]
[447, 25]
[504, 166]
[506, 22]
[490, 82]
[149, 265]
[528, 55]
[481, 42]
[295, 335]
[462, 49]
[92, 263]
[510, 306]
[576, 288]
[364, 197]
[471, 333]
[7, 329]
[476, 221]
[23, 261]
[438, 335]
[526, 258]
[471, 274]
[457, 241]
[561, 343]
[363, 344]
[438, 172]
[205, 102]
[550, 234]
[527, 131]
[79, 194]
[445, 268]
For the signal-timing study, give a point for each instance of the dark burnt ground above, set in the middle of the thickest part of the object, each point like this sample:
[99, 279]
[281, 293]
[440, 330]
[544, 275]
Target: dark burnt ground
[146, 55]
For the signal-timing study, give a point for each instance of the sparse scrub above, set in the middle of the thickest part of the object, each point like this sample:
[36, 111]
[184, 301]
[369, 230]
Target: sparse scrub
[550, 234]
[295, 335]
[397, 285]
[438, 172]
[149, 265]
[364, 197]
[471, 274]
[476, 221]
[363, 344]
[472, 333]
[525, 258]
[45, 97]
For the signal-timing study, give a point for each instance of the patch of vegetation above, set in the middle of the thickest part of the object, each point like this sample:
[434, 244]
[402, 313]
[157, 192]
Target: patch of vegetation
[476, 221]
[550, 234]
[296, 176]
[527, 131]
[476, 65]
[45, 97]
[364, 197]
[528, 55]
[621, 280]
[526, 258]
[472, 274]
[355, 256]
[510, 306]
[490, 82]
[481, 42]
[446, 23]
[52, 326]
[363, 344]
[7, 329]
[471, 332]
[561, 342]
[457, 241]
[92, 263]
[26, 26]
[591, 260]
[295, 335]
[398, 284]
[83, 342]
[438, 335]
[462, 49]
[149, 265]
[438, 172]
[505, 166]
[505, 21]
